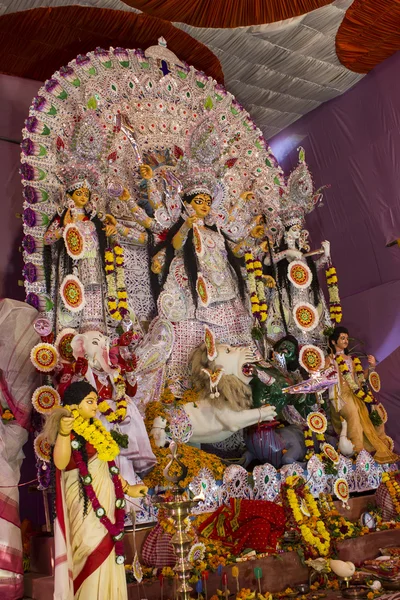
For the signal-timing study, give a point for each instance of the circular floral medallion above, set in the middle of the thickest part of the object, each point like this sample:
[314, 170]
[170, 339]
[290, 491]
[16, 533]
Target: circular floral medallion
[381, 410]
[42, 326]
[317, 422]
[63, 344]
[45, 398]
[374, 381]
[305, 316]
[74, 241]
[299, 274]
[341, 489]
[44, 357]
[72, 293]
[311, 358]
[330, 453]
[42, 448]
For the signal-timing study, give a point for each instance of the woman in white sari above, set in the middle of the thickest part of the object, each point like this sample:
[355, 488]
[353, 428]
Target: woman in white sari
[89, 563]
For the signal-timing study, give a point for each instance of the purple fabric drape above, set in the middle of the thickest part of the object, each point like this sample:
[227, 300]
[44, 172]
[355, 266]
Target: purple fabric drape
[352, 143]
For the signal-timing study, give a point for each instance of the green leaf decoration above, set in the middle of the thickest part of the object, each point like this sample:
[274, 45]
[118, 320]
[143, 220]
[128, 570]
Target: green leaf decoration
[42, 151]
[208, 104]
[76, 82]
[63, 95]
[107, 64]
[276, 180]
[42, 174]
[200, 84]
[144, 65]
[234, 111]
[258, 145]
[92, 103]
[268, 162]
[124, 63]
[52, 111]
[92, 71]
[48, 304]
[45, 195]
[302, 154]
[218, 97]
[181, 74]
[45, 219]
[45, 130]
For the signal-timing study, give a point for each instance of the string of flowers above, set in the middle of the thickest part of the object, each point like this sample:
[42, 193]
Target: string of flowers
[256, 287]
[116, 530]
[117, 296]
[390, 481]
[118, 415]
[335, 307]
[347, 376]
[303, 508]
[95, 433]
[317, 423]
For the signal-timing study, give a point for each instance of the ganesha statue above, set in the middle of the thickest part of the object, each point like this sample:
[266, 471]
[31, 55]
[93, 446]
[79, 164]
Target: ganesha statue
[113, 378]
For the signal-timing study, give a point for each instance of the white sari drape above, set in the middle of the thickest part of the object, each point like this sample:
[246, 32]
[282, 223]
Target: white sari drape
[85, 566]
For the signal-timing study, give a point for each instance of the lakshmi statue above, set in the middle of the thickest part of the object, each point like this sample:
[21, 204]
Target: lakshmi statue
[200, 279]
[75, 270]
[90, 501]
[349, 400]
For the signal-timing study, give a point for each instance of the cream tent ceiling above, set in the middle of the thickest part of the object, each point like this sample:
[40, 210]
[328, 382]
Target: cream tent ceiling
[278, 71]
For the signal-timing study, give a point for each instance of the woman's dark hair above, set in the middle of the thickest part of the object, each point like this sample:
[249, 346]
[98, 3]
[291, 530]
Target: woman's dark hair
[335, 336]
[74, 394]
[190, 258]
[62, 255]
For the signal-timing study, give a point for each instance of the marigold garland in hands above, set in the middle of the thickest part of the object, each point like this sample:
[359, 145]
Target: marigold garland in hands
[95, 433]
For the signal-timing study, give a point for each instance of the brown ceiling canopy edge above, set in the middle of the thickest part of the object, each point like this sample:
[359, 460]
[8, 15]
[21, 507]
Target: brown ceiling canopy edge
[226, 13]
[368, 34]
[35, 43]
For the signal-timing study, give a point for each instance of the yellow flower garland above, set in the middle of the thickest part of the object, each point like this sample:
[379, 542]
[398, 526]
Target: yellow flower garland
[335, 308]
[256, 286]
[95, 433]
[347, 376]
[116, 282]
[312, 528]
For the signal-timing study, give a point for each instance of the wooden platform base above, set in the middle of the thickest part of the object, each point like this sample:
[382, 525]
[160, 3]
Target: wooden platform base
[279, 572]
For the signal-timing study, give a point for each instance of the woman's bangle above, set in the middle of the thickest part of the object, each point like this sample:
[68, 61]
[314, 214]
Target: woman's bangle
[64, 434]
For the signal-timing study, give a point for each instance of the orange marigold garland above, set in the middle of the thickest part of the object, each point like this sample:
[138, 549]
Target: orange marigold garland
[256, 287]
[335, 307]
[390, 481]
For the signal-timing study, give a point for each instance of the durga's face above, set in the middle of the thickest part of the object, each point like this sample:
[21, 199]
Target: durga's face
[81, 197]
[201, 205]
